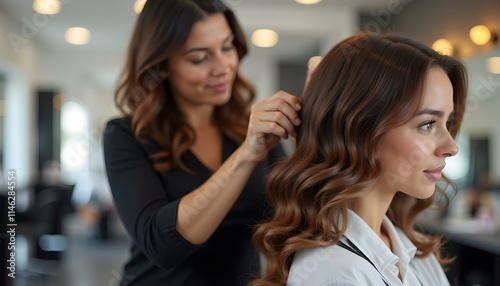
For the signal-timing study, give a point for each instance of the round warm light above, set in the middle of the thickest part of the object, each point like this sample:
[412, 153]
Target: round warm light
[307, 2]
[264, 38]
[493, 65]
[443, 46]
[77, 36]
[139, 5]
[480, 35]
[47, 7]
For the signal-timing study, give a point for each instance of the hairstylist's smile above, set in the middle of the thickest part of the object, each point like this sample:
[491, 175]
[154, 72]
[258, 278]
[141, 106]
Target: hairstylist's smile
[222, 87]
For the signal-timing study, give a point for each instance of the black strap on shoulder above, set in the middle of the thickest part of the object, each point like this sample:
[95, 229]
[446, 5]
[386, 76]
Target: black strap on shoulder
[352, 248]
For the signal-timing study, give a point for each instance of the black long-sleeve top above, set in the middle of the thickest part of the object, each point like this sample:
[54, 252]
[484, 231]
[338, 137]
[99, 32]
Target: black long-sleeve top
[147, 203]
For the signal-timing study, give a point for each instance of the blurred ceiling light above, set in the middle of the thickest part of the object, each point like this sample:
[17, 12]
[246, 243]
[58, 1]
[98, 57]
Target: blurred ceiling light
[139, 5]
[47, 7]
[307, 2]
[443, 46]
[493, 65]
[480, 35]
[77, 36]
[264, 38]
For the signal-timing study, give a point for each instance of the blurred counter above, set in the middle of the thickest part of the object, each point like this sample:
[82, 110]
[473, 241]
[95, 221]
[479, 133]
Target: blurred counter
[475, 245]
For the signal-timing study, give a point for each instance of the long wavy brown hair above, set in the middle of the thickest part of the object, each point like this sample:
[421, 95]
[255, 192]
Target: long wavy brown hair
[144, 95]
[365, 86]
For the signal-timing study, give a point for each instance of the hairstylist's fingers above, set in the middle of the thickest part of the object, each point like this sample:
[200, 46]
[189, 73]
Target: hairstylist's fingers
[281, 102]
[292, 100]
[279, 105]
[273, 118]
[260, 128]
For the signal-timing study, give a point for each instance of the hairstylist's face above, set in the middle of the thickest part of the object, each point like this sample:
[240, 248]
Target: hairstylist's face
[202, 71]
[413, 155]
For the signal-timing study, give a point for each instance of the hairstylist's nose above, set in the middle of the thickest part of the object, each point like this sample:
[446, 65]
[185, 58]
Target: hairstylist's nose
[221, 66]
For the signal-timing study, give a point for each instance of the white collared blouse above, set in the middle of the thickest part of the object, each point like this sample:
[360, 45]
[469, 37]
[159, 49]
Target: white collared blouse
[336, 266]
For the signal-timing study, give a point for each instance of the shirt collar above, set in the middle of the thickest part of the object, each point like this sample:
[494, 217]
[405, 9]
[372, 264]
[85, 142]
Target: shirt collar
[359, 233]
[402, 246]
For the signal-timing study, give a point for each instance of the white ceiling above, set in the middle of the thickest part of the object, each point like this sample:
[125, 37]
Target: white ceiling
[300, 27]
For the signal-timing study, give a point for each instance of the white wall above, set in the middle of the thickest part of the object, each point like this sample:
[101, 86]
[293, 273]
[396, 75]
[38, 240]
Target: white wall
[28, 66]
[80, 86]
[17, 66]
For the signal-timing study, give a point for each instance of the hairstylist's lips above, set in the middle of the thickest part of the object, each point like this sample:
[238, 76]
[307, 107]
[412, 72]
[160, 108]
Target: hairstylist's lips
[435, 174]
[221, 87]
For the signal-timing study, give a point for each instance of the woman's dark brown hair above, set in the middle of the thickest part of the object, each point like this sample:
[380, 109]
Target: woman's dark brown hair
[143, 94]
[364, 87]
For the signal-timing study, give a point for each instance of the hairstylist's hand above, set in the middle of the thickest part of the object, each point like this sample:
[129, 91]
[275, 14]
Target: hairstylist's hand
[271, 119]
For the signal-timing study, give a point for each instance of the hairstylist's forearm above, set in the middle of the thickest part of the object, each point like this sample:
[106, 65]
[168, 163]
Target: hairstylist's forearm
[201, 211]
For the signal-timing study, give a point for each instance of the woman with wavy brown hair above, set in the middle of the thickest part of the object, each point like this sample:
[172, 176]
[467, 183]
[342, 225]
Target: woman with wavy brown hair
[379, 118]
[187, 160]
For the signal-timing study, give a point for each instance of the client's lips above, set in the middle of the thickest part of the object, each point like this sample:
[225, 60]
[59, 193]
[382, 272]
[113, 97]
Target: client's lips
[435, 174]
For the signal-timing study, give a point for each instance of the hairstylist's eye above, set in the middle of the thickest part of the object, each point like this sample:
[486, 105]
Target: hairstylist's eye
[198, 61]
[228, 48]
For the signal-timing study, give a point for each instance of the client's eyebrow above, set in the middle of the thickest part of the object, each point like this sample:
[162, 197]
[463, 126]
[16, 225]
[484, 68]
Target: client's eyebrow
[431, 112]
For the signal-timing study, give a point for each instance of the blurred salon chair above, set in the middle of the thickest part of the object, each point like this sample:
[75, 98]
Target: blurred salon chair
[46, 237]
